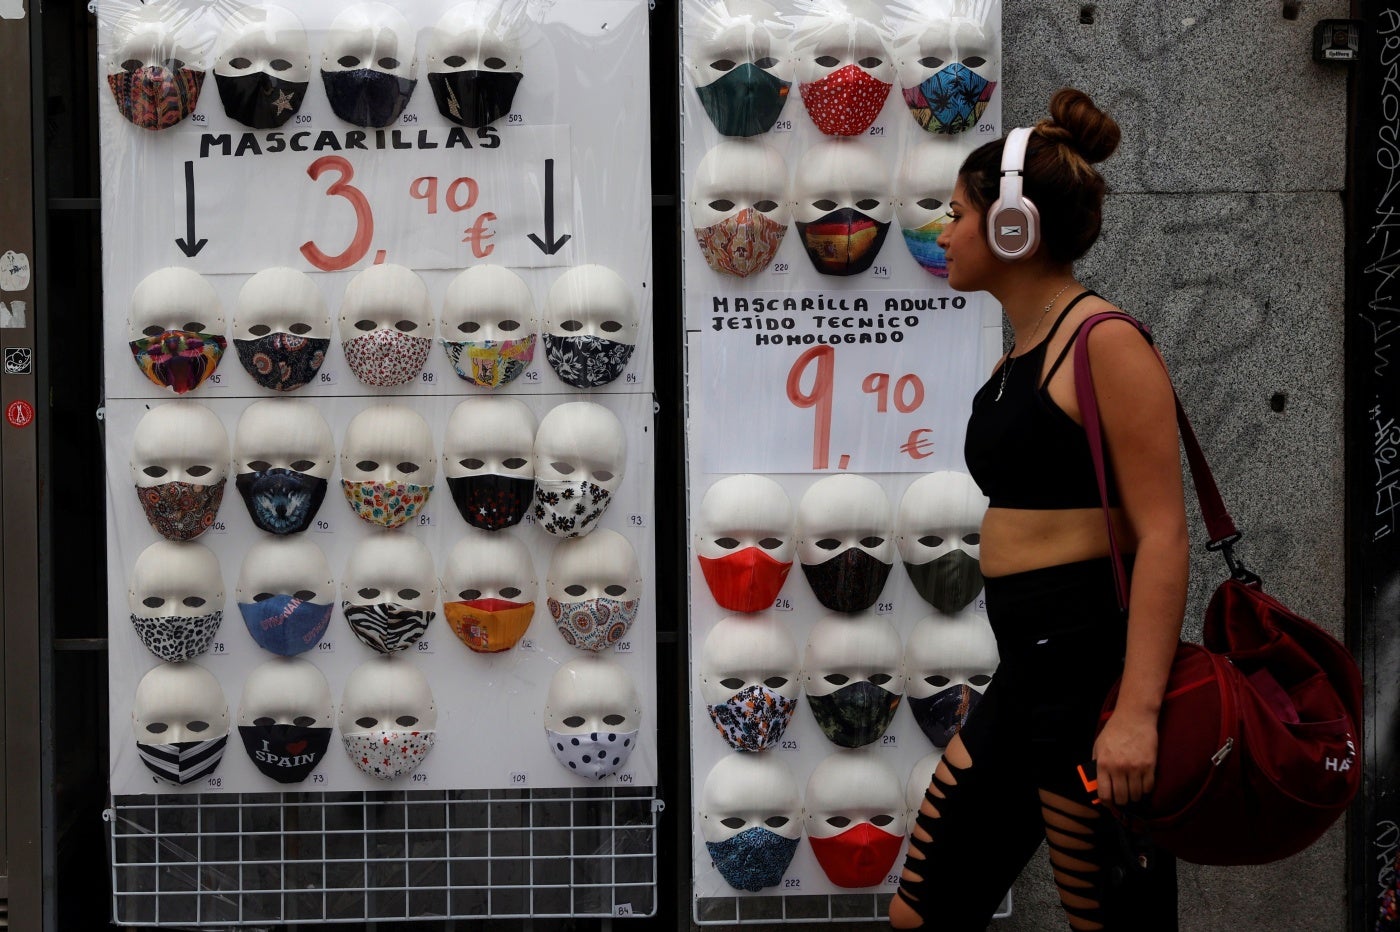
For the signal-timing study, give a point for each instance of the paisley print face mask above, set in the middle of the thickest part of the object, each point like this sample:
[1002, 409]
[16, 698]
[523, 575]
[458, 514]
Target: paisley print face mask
[178, 359]
[586, 362]
[744, 101]
[490, 363]
[742, 244]
[388, 504]
[753, 719]
[845, 102]
[285, 624]
[951, 100]
[594, 624]
[156, 97]
[844, 242]
[286, 753]
[489, 625]
[282, 362]
[184, 761]
[943, 714]
[569, 508]
[386, 627]
[948, 583]
[753, 859]
[855, 715]
[173, 638]
[384, 358]
[281, 501]
[849, 582]
[389, 754]
[491, 502]
[181, 510]
[595, 755]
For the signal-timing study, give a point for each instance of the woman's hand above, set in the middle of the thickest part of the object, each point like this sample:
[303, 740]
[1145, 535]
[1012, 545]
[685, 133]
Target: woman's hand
[1125, 755]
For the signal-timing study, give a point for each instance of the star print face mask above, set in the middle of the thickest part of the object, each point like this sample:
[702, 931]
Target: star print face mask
[366, 97]
[951, 100]
[286, 624]
[742, 244]
[281, 501]
[569, 508]
[178, 359]
[389, 754]
[855, 715]
[844, 242]
[586, 361]
[155, 96]
[848, 582]
[753, 859]
[593, 624]
[388, 504]
[181, 510]
[745, 100]
[282, 362]
[845, 102]
[489, 625]
[173, 638]
[286, 753]
[474, 98]
[386, 627]
[491, 502]
[594, 756]
[753, 719]
[490, 363]
[260, 100]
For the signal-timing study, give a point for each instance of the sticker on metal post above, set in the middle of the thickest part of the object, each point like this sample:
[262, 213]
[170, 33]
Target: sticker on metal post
[19, 413]
[19, 360]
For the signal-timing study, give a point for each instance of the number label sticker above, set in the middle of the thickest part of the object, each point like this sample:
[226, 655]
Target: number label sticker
[325, 377]
[519, 778]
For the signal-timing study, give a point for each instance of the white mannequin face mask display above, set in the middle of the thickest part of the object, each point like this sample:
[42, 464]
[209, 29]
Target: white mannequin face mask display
[368, 64]
[595, 589]
[923, 190]
[739, 207]
[855, 818]
[750, 681]
[388, 721]
[949, 662]
[853, 673]
[844, 69]
[264, 66]
[489, 591]
[741, 67]
[751, 818]
[181, 722]
[746, 542]
[843, 206]
[488, 459]
[489, 325]
[286, 594]
[386, 325]
[388, 592]
[179, 463]
[919, 778]
[283, 457]
[580, 456]
[845, 541]
[474, 65]
[949, 69]
[281, 329]
[939, 527]
[154, 76]
[176, 329]
[387, 465]
[177, 599]
[590, 326]
[285, 719]
[591, 717]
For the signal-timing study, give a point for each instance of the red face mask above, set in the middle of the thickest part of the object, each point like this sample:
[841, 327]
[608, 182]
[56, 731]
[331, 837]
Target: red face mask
[861, 856]
[745, 581]
[845, 102]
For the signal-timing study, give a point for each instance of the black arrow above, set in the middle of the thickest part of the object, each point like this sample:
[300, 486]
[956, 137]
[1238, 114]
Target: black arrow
[189, 245]
[549, 245]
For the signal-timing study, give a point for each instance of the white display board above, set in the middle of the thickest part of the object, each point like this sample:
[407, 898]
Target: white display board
[796, 375]
[539, 190]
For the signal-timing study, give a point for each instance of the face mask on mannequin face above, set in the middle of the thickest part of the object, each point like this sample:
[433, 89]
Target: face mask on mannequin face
[154, 79]
[742, 73]
[489, 325]
[739, 207]
[489, 589]
[181, 722]
[949, 72]
[284, 454]
[590, 326]
[580, 456]
[854, 677]
[179, 464]
[264, 67]
[592, 718]
[176, 598]
[175, 330]
[368, 65]
[855, 819]
[285, 719]
[949, 662]
[388, 719]
[386, 325]
[594, 587]
[285, 594]
[746, 541]
[846, 75]
[473, 67]
[388, 592]
[281, 329]
[842, 208]
[488, 460]
[939, 531]
[387, 465]
[845, 541]
[751, 820]
[750, 682]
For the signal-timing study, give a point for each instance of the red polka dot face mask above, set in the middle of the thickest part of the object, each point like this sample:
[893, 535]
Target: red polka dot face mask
[846, 101]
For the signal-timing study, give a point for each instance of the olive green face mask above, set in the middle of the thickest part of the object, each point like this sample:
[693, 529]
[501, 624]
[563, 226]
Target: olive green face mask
[744, 101]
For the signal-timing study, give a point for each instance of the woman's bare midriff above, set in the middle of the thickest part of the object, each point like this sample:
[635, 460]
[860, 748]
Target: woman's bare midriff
[1018, 539]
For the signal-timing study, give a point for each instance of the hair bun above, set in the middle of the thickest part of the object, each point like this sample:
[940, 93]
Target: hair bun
[1078, 123]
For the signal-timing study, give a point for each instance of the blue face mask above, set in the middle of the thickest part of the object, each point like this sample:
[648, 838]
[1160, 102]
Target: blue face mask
[951, 100]
[366, 97]
[753, 859]
[286, 624]
[281, 501]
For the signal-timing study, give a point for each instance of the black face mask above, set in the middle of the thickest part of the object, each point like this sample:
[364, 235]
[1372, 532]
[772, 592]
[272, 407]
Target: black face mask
[282, 362]
[492, 502]
[474, 98]
[855, 715]
[948, 583]
[286, 753]
[848, 582]
[366, 97]
[260, 100]
[943, 714]
[281, 501]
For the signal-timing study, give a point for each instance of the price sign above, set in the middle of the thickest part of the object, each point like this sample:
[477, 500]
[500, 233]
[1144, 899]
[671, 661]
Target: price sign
[839, 382]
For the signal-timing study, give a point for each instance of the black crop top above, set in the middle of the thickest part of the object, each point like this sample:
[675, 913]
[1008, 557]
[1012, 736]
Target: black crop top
[1023, 450]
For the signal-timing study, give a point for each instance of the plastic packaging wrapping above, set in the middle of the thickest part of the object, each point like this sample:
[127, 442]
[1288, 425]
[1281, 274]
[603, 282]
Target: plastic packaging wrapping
[829, 367]
[338, 209]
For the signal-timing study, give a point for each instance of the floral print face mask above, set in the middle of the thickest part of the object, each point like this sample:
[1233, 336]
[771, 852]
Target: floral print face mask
[282, 362]
[569, 507]
[388, 504]
[754, 718]
[384, 357]
[593, 624]
[181, 510]
[586, 361]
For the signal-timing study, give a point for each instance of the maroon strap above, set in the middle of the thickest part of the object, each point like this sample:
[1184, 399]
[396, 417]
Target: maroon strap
[1219, 524]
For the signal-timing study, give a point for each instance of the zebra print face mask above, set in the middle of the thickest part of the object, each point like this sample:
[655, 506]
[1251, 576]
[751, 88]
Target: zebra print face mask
[386, 626]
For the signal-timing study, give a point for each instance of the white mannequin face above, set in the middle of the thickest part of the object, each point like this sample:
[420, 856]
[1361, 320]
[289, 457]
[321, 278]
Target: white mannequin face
[746, 791]
[180, 705]
[923, 191]
[919, 779]
[473, 37]
[284, 434]
[488, 302]
[287, 691]
[952, 66]
[595, 587]
[834, 175]
[826, 47]
[842, 512]
[739, 207]
[590, 326]
[146, 37]
[285, 566]
[281, 300]
[182, 441]
[851, 788]
[172, 299]
[489, 590]
[266, 39]
[592, 695]
[489, 436]
[853, 673]
[939, 529]
[740, 32]
[370, 35]
[746, 511]
[388, 443]
[386, 325]
[153, 68]
[742, 653]
[944, 652]
[580, 448]
[390, 568]
[176, 598]
[388, 720]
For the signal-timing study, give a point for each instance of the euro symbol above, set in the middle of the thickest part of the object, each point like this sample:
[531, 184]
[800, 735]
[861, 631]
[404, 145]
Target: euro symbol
[478, 233]
[918, 448]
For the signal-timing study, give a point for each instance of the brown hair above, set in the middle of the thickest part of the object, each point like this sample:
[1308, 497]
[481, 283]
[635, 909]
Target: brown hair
[1059, 177]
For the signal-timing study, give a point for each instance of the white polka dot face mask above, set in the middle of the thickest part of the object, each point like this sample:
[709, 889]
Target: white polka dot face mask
[594, 755]
[591, 717]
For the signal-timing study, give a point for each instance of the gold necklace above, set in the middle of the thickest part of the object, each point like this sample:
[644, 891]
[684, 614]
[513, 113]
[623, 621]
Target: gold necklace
[1010, 357]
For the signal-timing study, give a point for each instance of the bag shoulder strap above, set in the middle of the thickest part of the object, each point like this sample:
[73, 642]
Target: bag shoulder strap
[1219, 525]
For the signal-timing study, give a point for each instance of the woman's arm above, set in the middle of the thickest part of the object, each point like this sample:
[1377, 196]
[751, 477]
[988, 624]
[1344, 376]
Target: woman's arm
[1138, 414]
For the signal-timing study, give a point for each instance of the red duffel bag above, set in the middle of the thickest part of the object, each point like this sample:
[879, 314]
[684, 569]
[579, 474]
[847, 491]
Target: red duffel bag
[1259, 740]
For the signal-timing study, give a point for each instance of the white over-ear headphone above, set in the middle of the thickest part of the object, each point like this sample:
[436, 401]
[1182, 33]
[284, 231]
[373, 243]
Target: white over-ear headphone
[1013, 223]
